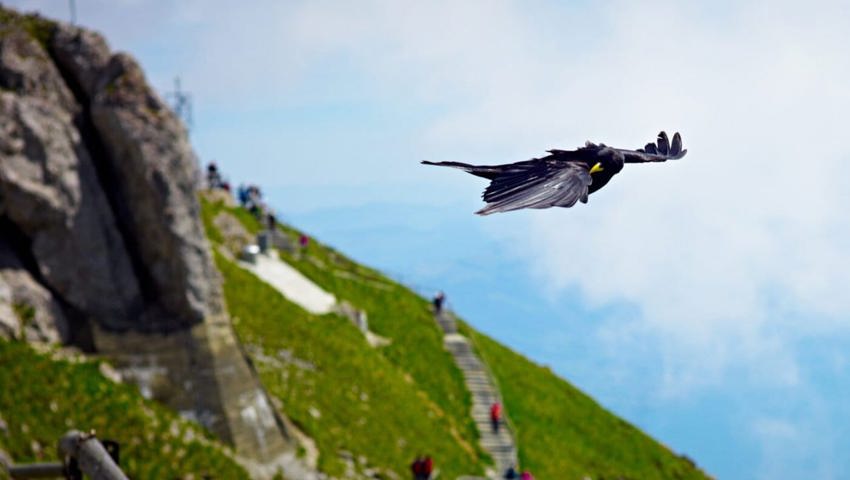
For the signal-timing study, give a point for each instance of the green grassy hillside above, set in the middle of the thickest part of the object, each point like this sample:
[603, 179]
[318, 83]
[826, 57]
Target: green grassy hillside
[41, 398]
[561, 433]
[384, 404]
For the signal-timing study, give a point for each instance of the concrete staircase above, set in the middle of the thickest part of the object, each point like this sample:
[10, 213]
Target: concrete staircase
[478, 381]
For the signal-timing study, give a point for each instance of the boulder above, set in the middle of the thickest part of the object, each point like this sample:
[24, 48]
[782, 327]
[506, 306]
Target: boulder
[25, 68]
[234, 236]
[81, 53]
[50, 191]
[155, 172]
[27, 309]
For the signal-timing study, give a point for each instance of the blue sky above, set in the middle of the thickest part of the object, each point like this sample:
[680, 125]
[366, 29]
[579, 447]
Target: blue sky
[704, 300]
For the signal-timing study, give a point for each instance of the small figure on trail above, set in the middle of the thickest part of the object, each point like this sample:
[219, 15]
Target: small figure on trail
[422, 467]
[439, 300]
[254, 201]
[416, 467]
[510, 473]
[495, 416]
[428, 467]
[526, 475]
[213, 177]
[303, 241]
[242, 195]
[271, 221]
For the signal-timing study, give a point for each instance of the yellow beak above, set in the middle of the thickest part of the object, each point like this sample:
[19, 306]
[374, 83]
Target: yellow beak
[596, 168]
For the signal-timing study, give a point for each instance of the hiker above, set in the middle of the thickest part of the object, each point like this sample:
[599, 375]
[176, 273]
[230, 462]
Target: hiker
[428, 467]
[495, 416]
[416, 468]
[303, 241]
[439, 300]
[271, 220]
[526, 475]
[421, 468]
[510, 473]
[242, 195]
[213, 177]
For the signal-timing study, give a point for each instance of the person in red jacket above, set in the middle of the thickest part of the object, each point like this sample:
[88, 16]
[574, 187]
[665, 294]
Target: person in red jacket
[418, 467]
[428, 467]
[496, 416]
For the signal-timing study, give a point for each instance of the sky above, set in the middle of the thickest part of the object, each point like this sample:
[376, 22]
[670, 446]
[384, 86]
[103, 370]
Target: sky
[705, 300]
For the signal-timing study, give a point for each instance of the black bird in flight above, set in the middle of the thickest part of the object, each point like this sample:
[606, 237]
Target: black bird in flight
[563, 177]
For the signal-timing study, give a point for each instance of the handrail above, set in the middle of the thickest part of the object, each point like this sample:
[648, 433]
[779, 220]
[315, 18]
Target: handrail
[81, 453]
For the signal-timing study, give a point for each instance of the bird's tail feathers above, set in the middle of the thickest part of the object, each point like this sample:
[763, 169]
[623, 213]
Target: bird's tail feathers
[489, 172]
[449, 164]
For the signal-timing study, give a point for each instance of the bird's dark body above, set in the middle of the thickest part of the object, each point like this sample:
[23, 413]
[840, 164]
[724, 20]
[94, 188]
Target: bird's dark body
[563, 177]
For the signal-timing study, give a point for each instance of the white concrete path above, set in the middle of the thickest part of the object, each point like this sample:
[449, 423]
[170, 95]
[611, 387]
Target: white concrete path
[291, 284]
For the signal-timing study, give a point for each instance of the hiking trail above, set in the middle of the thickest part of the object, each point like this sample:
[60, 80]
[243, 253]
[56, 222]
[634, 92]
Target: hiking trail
[484, 393]
[291, 283]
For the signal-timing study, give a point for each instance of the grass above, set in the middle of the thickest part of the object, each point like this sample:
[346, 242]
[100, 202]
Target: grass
[394, 312]
[41, 398]
[563, 433]
[397, 313]
[344, 394]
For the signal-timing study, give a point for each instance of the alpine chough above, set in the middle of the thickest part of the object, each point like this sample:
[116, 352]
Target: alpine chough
[563, 177]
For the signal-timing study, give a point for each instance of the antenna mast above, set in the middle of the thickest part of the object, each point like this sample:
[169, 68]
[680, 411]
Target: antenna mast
[182, 103]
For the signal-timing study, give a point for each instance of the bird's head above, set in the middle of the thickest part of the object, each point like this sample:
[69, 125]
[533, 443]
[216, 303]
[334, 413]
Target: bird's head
[608, 162]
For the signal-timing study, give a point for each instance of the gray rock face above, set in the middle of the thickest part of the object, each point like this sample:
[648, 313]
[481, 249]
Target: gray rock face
[27, 309]
[99, 175]
[50, 191]
[26, 69]
[100, 228]
[82, 53]
[156, 171]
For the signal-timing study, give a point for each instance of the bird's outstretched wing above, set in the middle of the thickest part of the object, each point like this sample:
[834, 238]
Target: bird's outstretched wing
[537, 184]
[661, 151]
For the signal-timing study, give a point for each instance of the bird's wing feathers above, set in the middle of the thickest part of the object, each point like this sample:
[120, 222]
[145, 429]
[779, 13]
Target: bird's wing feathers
[538, 184]
[661, 151]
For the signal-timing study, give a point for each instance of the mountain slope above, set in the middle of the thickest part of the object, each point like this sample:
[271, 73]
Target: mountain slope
[562, 433]
[368, 409]
[550, 415]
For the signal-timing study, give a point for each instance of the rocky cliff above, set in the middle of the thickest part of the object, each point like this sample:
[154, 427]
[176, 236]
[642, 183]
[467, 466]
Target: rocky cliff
[97, 189]
[101, 243]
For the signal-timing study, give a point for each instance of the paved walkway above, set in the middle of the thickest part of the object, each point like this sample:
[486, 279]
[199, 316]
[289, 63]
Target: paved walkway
[292, 284]
[500, 446]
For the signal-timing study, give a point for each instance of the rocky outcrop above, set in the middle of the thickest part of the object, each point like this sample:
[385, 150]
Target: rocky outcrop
[98, 174]
[150, 164]
[156, 171]
[100, 230]
[28, 311]
[49, 189]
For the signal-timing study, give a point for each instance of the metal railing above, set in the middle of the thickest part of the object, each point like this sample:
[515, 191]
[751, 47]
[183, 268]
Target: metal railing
[80, 453]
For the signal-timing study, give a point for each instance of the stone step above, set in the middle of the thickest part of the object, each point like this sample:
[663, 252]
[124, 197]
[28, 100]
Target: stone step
[477, 380]
[484, 393]
[494, 440]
